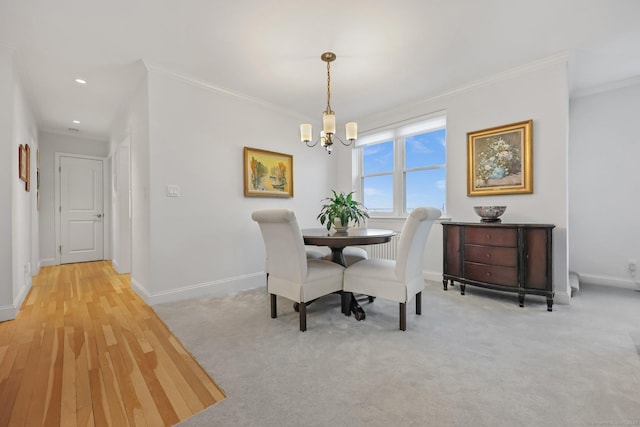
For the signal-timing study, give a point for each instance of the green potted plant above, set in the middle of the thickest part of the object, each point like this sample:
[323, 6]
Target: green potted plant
[340, 210]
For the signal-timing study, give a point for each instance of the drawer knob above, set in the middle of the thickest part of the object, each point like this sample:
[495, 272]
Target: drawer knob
[488, 255]
[488, 274]
[488, 236]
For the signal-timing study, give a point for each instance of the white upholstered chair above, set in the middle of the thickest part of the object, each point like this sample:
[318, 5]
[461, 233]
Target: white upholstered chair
[291, 274]
[398, 280]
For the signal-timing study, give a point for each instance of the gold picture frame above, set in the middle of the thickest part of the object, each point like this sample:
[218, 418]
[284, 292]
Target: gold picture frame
[22, 163]
[500, 161]
[267, 173]
[27, 153]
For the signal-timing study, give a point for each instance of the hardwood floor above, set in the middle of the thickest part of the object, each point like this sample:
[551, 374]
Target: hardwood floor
[85, 350]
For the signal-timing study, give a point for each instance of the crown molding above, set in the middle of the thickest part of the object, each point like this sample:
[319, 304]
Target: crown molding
[220, 90]
[559, 58]
[606, 87]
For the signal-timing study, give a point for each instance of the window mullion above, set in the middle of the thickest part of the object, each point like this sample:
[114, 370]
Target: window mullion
[398, 176]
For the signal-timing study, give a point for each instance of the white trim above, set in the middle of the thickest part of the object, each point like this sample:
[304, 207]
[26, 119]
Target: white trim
[17, 302]
[220, 90]
[216, 288]
[616, 282]
[47, 262]
[56, 208]
[423, 123]
[492, 79]
[8, 312]
[594, 90]
[140, 290]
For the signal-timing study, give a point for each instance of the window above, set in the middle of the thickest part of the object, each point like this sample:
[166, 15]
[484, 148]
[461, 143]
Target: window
[402, 168]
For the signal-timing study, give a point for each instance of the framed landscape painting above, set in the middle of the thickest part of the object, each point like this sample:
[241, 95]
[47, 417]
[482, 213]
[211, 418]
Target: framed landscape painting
[499, 160]
[267, 173]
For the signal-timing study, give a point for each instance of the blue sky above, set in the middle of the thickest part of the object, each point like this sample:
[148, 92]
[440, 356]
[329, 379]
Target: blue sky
[423, 187]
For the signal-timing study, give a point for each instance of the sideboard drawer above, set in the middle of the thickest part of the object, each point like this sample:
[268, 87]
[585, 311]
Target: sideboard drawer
[491, 255]
[505, 276]
[491, 236]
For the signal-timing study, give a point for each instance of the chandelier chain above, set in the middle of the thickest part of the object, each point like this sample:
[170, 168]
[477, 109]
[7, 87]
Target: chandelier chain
[329, 88]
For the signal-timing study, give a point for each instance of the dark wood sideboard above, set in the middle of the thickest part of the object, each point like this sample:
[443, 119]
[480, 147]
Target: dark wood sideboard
[504, 257]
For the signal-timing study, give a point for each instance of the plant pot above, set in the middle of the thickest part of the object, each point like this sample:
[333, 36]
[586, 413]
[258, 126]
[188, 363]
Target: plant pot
[337, 225]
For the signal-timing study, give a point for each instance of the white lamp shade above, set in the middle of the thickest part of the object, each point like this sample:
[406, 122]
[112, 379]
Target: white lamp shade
[329, 123]
[305, 132]
[351, 130]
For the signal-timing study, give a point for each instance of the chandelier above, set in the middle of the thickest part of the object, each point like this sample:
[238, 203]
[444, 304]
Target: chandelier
[328, 132]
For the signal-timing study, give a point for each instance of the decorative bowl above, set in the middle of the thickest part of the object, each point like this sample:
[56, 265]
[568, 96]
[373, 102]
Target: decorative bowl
[489, 213]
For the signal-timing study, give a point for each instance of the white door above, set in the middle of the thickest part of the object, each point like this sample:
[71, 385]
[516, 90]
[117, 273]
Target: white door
[81, 212]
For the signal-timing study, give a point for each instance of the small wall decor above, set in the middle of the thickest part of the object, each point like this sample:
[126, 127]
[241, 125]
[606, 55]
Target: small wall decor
[22, 163]
[267, 173]
[27, 153]
[38, 179]
[499, 160]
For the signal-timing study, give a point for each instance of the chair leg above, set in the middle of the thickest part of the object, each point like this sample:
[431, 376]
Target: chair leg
[346, 302]
[403, 316]
[274, 310]
[303, 316]
[419, 303]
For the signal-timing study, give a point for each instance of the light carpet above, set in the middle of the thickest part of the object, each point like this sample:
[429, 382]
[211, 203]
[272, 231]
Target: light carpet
[473, 360]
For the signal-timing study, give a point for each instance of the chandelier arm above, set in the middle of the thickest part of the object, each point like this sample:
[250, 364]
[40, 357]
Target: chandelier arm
[312, 145]
[346, 144]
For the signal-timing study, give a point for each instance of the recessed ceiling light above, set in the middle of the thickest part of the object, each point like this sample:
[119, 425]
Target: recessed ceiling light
[80, 81]
[76, 122]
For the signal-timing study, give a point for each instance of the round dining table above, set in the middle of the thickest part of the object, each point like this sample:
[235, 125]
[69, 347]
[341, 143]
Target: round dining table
[337, 241]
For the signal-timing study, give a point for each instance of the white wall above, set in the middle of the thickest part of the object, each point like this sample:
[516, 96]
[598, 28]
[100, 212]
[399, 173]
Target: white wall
[604, 188]
[8, 178]
[51, 143]
[204, 242]
[17, 213]
[538, 91]
[120, 204]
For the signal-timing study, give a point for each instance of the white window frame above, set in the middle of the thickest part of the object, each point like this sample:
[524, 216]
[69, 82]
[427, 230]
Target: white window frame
[398, 134]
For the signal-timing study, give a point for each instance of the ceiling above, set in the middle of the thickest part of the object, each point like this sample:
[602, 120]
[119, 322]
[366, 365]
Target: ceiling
[388, 53]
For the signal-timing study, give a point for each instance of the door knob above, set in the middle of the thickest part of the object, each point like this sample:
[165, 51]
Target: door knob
[99, 215]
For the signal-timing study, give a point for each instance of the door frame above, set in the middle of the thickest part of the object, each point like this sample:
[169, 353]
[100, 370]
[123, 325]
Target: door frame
[57, 202]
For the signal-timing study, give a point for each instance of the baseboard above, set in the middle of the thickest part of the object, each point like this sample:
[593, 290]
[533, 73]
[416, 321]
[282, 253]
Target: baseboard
[8, 312]
[593, 279]
[432, 276]
[17, 302]
[47, 262]
[141, 291]
[216, 288]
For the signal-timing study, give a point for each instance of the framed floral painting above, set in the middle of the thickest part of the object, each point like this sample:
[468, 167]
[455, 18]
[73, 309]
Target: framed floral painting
[499, 160]
[267, 173]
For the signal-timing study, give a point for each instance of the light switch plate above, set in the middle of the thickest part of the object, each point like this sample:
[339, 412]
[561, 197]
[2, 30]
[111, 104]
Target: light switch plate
[173, 191]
